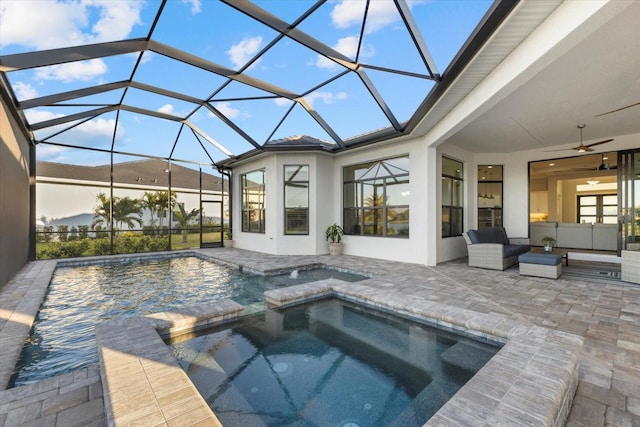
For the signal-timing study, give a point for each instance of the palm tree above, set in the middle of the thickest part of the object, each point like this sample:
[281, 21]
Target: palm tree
[184, 218]
[102, 212]
[164, 200]
[150, 201]
[127, 211]
[122, 210]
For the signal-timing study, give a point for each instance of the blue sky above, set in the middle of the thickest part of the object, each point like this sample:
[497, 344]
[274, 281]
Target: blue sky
[220, 34]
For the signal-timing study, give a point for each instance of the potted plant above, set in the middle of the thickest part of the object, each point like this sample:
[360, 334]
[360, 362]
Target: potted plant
[548, 242]
[228, 241]
[334, 237]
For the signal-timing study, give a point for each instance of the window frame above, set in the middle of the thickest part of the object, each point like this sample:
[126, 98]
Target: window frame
[355, 209]
[452, 208]
[246, 212]
[286, 184]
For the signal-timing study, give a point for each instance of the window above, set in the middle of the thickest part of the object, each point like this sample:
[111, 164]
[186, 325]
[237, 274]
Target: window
[296, 199]
[452, 196]
[489, 196]
[376, 198]
[253, 198]
[601, 208]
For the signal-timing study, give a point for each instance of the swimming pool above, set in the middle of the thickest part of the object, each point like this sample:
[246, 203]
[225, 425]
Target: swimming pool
[62, 337]
[329, 363]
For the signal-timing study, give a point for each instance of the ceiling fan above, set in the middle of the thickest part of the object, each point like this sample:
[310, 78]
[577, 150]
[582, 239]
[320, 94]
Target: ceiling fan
[607, 166]
[582, 148]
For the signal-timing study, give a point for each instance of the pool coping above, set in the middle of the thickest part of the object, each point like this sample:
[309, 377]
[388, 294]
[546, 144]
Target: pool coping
[531, 381]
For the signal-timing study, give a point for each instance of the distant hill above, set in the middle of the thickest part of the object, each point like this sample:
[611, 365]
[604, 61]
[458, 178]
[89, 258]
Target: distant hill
[80, 219]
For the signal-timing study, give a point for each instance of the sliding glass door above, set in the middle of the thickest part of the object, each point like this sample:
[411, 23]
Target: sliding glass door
[629, 199]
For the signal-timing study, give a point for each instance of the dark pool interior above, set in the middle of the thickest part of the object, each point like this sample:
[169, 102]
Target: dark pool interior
[329, 363]
[62, 338]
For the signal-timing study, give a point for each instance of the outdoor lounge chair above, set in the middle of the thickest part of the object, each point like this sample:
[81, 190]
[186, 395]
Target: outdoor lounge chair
[491, 248]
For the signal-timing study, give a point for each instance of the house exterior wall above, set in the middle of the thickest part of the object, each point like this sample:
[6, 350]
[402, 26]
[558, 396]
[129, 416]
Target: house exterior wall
[425, 244]
[321, 200]
[415, 248]
[15, 198]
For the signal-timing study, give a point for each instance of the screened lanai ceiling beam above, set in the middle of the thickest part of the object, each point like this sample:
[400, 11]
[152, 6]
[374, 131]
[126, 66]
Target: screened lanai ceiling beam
[72, 94]
[232, 125]
[72, 117]
[151, 113]
[43, 58]
[318, 118]
[414, 32]
[196, 61]
[283, 27]
[167, 93]
[378, 98]
[208, 138]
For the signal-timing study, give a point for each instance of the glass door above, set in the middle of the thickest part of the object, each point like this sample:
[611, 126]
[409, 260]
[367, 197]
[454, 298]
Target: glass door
[629, 200]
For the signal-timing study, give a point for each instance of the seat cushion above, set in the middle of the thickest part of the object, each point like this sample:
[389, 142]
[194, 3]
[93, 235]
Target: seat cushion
[489, 235]
[540, 259]
[513, 250]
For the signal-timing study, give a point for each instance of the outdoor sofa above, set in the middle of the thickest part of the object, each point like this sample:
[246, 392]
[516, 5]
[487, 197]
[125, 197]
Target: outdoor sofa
[491, 248]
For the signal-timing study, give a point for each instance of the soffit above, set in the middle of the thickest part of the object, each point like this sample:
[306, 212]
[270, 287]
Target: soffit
[584, 85]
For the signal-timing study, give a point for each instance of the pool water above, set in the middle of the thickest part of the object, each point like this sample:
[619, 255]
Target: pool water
[62, 338]
[328, 363]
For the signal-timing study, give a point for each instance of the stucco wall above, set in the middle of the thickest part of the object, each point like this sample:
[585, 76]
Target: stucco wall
[14, 197]
[321, 200]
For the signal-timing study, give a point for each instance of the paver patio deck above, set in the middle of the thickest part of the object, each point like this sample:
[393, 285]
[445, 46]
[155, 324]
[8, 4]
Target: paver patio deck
[606, 315]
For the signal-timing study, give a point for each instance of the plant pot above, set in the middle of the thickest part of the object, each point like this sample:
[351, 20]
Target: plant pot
[335, 248]
[548, 248]
[228, 243]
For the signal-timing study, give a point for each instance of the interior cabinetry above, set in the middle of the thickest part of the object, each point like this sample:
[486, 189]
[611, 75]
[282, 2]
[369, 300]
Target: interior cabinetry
[539, 202]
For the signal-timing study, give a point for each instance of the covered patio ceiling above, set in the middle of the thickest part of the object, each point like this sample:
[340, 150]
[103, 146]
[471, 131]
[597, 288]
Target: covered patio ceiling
[587, 76]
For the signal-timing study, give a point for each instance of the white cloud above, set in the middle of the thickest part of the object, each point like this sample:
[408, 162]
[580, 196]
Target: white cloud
[147, 56]
[53, 153]
[195, 6]
[82, 70]
[24, 91]
[347, 46]
[100, 127]
[226, 109]
[240, 53]
[55, 24]
[36, 116]
[282, 102]
[117, 18]
[168, 109]
[348, 13]
[92, 133]
[326, 97]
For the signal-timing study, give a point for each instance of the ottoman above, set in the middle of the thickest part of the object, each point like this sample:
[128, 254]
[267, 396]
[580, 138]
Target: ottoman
[540, 265]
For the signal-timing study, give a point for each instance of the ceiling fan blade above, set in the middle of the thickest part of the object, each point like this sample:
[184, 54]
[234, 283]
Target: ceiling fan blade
[561, 149]
[617, 109]
[598, 143]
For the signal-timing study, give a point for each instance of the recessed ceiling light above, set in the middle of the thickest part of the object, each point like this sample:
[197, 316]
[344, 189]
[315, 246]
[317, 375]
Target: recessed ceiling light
[552, 164]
